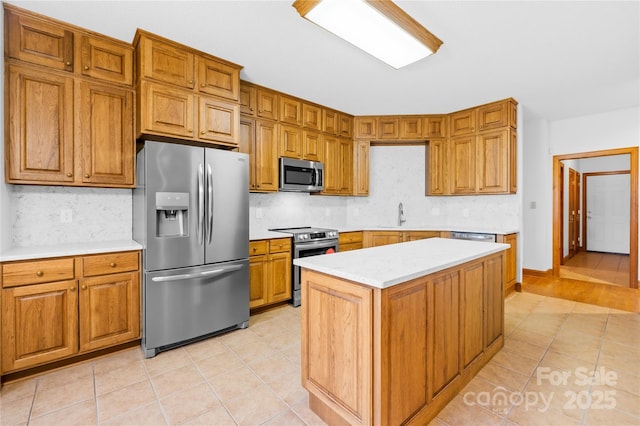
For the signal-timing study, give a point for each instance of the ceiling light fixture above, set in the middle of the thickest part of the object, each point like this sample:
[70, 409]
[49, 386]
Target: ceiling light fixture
[379, 27]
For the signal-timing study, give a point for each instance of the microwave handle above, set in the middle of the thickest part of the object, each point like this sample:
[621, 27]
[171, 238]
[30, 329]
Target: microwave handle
[316, 173]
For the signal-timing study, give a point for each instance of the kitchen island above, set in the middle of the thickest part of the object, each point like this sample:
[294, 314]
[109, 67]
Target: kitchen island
[391, 334]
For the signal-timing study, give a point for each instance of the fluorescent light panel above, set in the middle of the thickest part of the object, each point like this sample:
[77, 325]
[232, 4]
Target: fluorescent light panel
[370, 28]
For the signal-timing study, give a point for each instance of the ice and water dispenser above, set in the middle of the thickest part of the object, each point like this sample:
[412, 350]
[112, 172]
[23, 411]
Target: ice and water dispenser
[172, 214]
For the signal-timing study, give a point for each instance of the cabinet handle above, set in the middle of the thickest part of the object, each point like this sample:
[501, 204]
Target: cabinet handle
[190, 130]
[87, 176]
[203, 85]
[84, 287]
[112, 264]
[39, 273]
[72, 289]
[69, 174]
[203, 132]
[68, 63]
[86, 67]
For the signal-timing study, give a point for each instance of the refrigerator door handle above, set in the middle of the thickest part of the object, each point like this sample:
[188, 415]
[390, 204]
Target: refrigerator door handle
[210, 201]
[203, 274]
[201, 230]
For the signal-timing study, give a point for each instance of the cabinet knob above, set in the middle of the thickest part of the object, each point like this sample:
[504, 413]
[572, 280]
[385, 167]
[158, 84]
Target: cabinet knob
[203, 132]
[87, 176]
[190, 130]
[72, 289]
[39, 273]
[86, 67]
[84, 287]
[203, 85]
[68, 63]
[190, 83]
[69, 174]
[112, 264]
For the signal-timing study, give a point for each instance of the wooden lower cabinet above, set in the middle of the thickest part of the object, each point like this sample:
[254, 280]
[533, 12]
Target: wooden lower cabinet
[380, 238]
[44, 322]
[350, 241]
[269, 271]
[511, 265]
[398, 355]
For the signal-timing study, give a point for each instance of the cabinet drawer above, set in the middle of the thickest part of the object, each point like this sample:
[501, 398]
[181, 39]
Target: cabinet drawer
[279, 245]
[40, 271]
[109, 263]
[350, 237]
[258, 247]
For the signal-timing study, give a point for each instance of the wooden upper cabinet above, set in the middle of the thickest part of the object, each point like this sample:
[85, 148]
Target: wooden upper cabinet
[462, 122]
[266, 156]
[38, 41]
[492, 161]
[267, 104]
[388, 127]
[165, 110]
[106, 60]
[106, 134]
[40, 145]
[330, 121]
[312, 148]
[290, 110]
[436, 169]
[497, 114]
[218, 79]
[411, 127]
[345, 125]
[366, 127]
[290, 141]
[311, 116]
[219, 120]
[462, 164]
[435, 126]
[361, 167]
[165, 62]
[346, 166]
[247, 98]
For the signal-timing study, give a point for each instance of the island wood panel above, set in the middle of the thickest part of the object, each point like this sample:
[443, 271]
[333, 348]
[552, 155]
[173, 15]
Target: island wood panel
[494, 278]
[338, 315]
[471, 312]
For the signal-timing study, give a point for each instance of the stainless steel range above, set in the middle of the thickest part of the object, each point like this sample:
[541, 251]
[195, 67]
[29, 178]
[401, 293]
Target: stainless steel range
[308, 241]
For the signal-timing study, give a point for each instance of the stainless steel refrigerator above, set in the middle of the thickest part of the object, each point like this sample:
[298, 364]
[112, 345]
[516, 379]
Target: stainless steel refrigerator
[191, 214]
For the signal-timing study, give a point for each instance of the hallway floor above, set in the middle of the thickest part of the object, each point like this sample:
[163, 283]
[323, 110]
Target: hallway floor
[604, 268]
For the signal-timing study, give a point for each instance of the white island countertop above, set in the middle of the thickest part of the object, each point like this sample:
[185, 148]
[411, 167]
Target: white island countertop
[388, 265]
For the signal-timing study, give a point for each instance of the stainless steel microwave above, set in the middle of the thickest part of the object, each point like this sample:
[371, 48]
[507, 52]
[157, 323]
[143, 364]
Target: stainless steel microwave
[301, 175]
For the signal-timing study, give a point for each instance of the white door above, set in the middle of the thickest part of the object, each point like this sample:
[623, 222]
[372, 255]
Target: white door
[608, 213]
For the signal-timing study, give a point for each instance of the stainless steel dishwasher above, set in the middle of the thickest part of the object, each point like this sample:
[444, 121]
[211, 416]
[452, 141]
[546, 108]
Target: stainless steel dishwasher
[474, 236]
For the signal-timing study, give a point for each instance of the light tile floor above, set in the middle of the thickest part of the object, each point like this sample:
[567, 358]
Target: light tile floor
[252, 377]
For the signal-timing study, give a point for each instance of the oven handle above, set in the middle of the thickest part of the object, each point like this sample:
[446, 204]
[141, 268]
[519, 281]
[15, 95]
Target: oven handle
[315, 244]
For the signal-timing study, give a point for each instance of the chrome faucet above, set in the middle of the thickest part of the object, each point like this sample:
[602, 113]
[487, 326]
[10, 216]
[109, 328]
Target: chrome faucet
[401, 218]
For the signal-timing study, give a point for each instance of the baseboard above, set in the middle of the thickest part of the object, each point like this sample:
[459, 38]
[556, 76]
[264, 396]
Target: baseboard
[536, 273]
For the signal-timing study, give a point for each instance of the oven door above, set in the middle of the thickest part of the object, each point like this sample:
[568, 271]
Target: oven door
[306, 249]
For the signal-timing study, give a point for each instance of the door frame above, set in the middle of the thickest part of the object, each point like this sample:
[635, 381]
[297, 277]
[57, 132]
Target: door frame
[584, 197]
[633, 228]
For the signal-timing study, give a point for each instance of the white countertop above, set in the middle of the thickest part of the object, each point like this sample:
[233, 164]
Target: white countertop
[71, 249]
[385, 266]
[263, 234]
[482, 230]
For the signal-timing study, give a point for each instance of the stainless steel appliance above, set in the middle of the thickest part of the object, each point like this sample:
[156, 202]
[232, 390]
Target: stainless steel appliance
[191, 214]
[308, 241]
[474, 236]
[301, 175]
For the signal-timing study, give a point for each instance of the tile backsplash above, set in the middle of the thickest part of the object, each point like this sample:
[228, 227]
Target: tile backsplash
[40, 215]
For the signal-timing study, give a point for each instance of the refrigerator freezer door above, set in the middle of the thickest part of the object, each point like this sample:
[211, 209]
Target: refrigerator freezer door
[189, 303]
[173, 168]
[227, 206]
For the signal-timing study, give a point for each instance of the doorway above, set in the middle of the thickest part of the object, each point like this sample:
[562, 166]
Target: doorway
[558, 203]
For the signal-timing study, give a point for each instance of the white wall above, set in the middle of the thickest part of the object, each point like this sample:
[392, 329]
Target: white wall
[544, 139]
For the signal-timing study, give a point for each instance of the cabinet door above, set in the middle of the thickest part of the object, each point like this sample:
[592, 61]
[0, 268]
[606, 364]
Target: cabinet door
[40, 126]
[346, 166]
[290, 111]
[279, 277]
[312, 148]
[311, 117]
[462, 122]
[39, 324]
[266, 156]
[462, 164]
[493, 162]
[471, 313]
[39, 42]
[166, 111]
[258, 279]
[106, 135]
[345, 125]
[247, 145]
[411, 127]
[388, 127]
[331, 164]
[267, 104]
[444, 331]
[436, 184]
[166, 62]
[247, 99]
[109, 310]
[361, 168]
[419, 235]
[218, 79]
[290, 143]
[510, 266]
[366, 127]
[493, 299]
[381, 238]
[493, 115]
[107, 60]
[435, 126]
[513, 162]
[219, 121]
[330, 121]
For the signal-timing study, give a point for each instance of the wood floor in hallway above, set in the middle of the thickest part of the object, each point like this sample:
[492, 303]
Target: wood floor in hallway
[597, 267]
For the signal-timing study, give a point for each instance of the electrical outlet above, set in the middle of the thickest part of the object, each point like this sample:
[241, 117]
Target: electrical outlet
[66, 216]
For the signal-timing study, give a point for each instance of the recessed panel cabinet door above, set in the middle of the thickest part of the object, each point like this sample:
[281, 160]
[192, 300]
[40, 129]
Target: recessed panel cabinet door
[219, 121]
[493, 161]
[107, 61]
[109, 310]
[164, 62]
[266, 156]
[106, 122]
[280, 270]
[462, 164]
[166, 111]
[39, 324]
[40, 145]
[218, 79]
